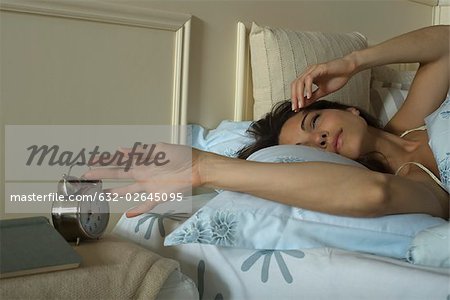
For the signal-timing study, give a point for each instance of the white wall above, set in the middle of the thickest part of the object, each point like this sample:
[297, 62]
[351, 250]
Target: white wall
[213, 40]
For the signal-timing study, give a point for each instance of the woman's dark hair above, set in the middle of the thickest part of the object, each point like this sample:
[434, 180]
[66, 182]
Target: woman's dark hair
[266, 131]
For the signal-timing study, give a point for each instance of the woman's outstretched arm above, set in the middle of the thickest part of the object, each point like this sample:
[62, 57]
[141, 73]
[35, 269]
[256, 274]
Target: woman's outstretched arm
[325, 187]
[319, 186]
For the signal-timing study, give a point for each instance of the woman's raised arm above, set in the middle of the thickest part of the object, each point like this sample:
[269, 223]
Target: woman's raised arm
[428, 46]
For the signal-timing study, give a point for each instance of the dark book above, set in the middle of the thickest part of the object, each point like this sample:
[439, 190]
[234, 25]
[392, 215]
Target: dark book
[32, 245]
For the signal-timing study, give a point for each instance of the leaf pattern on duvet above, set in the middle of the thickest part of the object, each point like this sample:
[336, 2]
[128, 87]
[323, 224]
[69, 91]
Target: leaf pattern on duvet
[160, 218]
[267, 254]
[201, 268]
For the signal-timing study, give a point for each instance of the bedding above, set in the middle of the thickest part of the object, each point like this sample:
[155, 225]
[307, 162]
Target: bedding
[431, 247]
[279, 55]
[178, 286]
[240, 220]
[385, 100]
[226, 139]
[388, 90]
[389, 76]
[321, 273]
[438, 130]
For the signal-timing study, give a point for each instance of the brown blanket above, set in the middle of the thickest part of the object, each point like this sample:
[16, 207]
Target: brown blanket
[111, 269]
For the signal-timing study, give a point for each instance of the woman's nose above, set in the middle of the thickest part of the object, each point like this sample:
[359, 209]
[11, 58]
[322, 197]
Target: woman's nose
[320, 139]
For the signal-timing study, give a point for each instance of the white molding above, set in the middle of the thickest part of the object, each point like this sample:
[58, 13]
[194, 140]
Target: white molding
[426, 2]
[436, 15]
[123, 14]
[239, 96]
[444, 2]
[180, 84]
[433, 2]
[100, 12]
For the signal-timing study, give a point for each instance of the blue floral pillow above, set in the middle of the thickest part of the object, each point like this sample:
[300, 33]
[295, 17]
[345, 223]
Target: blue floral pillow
[243, 221]
[227, 139]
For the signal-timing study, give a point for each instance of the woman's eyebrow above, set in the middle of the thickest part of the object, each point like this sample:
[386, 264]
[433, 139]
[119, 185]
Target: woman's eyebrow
[302, 126]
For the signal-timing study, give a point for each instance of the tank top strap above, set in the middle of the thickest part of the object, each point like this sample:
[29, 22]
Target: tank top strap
[424, 169]
[424, 127]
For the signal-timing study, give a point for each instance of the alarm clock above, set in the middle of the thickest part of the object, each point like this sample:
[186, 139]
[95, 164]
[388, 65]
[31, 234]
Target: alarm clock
[80, 215]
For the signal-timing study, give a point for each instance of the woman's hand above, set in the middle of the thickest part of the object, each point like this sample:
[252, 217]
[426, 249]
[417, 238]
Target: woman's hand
[329, 77]
[160, 168]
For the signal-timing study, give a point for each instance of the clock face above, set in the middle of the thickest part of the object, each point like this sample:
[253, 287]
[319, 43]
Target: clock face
[94, 216]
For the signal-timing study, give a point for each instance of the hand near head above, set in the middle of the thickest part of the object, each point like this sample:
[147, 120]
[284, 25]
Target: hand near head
[165, 168]
[328, 77]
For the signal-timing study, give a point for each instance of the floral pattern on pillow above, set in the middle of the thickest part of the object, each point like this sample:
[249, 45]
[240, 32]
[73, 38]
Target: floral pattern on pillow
[289, 159]
[220, 229]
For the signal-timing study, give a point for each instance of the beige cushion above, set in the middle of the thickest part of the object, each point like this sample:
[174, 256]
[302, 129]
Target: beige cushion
[278, 56]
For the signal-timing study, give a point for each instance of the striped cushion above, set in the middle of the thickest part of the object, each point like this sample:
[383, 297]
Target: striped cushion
[278, 56]
[390, 75]
[386, 99]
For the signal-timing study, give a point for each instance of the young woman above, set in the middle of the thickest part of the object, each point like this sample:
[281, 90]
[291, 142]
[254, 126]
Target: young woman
[406, 178]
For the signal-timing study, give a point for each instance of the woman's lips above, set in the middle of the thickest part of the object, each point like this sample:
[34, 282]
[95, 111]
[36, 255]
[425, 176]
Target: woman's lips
[338, 142]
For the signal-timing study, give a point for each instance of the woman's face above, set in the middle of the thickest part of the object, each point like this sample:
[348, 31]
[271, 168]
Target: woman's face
[337, 131]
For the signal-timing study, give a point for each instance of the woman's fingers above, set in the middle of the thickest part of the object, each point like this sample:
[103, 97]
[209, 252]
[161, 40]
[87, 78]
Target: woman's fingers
[301, 93]
[124, 156]
[294, 101]
[306, 88]
[297, 91]
[141, 209]
[128, 189]
[108, 173]
[133, 189]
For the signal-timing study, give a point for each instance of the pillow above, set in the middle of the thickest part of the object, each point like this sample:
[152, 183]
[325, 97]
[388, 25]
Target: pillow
[151, 228]
[431, 247]
[227, 139]
[386, 100]
[389, 75]
[388, 91]
[278, 56]
[243, 221]
[438, 129]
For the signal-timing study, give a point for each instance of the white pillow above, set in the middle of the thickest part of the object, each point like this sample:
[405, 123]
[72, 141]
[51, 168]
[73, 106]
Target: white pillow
[278, 56]
[431, 247]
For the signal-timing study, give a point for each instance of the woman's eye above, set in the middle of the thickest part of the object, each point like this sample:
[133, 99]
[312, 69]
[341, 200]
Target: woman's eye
[314, 121]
